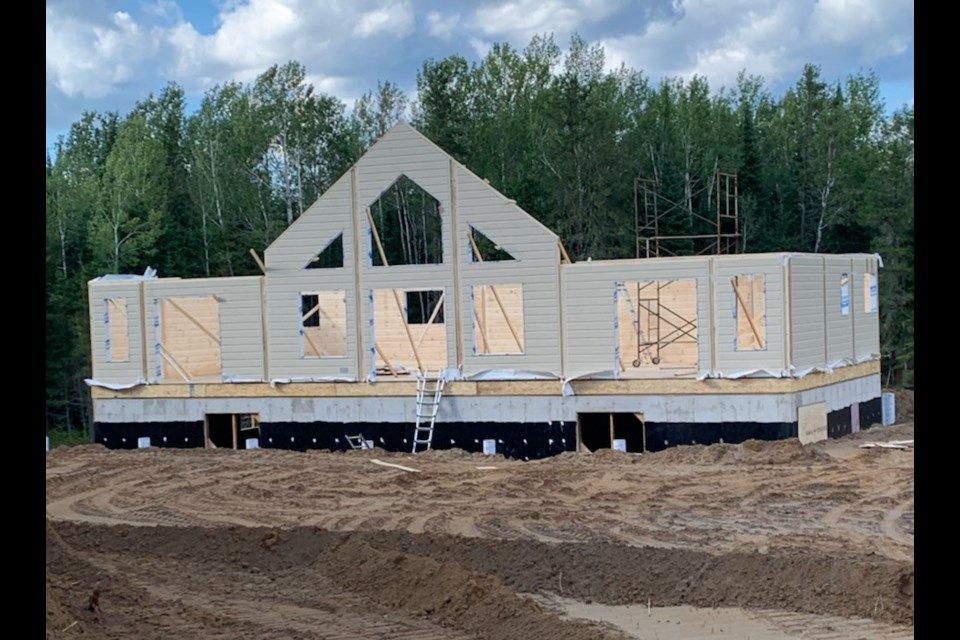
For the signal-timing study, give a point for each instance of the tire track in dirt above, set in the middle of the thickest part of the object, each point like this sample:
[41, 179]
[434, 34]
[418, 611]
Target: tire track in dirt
[726, 503]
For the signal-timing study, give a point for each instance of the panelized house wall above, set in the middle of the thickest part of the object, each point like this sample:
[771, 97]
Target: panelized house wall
[328, 217]
[404, 152]
[750, 313]
[290, 351]
[527, 286]
[208, 329]
[593, 314]
[866, 324]
[833, 315]
[808, 346]
[116, 327]
[293, 348]
[838, 288]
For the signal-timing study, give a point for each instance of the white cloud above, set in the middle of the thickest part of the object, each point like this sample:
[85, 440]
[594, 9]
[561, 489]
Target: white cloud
[395, 18]
[442, 26]
[90, 60]
[770, 38]
[520, 20]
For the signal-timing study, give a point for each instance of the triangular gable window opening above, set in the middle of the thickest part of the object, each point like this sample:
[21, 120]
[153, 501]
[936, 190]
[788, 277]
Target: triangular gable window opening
[330, 257]
[407, 223]
[483, 249]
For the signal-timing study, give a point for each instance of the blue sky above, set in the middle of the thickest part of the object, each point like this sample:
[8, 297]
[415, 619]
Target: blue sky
[104, 55]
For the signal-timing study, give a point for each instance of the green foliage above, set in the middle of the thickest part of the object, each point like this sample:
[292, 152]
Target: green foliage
[820, 168]
[64, 438]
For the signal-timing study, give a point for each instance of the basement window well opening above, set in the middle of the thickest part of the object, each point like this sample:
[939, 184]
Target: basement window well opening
[405, 226]
[323, 324]
[117, 341]
[749, 311]
[230, 430]
[604, 430]
[497, 319]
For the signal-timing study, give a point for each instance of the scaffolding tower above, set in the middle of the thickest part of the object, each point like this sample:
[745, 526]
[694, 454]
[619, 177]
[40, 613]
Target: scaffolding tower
[715, 232]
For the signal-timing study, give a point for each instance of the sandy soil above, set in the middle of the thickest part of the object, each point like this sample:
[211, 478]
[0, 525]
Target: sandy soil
[274, 544]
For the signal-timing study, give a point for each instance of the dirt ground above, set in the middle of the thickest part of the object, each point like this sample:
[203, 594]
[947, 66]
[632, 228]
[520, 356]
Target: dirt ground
[774, 539]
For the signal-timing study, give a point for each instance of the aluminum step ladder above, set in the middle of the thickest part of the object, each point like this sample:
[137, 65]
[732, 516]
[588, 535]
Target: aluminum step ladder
[357, 442]
[429, 393]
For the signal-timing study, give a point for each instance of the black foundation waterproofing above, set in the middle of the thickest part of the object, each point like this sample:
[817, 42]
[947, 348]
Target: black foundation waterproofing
[524, 441]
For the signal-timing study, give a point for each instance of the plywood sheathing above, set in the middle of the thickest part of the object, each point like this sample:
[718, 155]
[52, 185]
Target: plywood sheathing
[499, 388]
[190, 338]
[676, 306]
[413, 347]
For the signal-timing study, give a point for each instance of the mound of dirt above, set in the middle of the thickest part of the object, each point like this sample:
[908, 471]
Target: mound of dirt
[748, 452]
[473, 602]
[471, 583]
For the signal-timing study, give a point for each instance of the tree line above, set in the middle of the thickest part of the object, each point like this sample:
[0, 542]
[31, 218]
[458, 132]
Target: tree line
[820, 167]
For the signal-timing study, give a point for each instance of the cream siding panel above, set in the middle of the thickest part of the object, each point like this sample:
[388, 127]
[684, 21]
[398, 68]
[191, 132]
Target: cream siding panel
[839, 327]
[283, 324]
[132, 369]
[729, 359]
[541, 315]
[589, 307]
[807, 311]
[403, 152]
[241, 326]
[322, 222]
[866, 325]
[502, 221]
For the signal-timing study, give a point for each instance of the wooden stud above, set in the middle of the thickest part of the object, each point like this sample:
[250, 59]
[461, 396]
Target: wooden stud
[611, 431]
[579, 436]
[643, 430]
[746, 313]
[313, 344]
[483, 334]
[173, 363]
[206, 431]
[192, 319]
[455, 251]
[233, 428]
[259, 262]
[563, 252]
[788, 315]
[357, 290]
[714, 324]
[387, 362]
[433, 316]
[143, 332]
[263, 329]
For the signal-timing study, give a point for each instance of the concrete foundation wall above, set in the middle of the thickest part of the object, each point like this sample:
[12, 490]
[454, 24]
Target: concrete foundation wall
[699, 408]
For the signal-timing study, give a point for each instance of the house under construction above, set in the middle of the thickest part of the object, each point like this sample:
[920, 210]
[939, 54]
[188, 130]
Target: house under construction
[490, 335]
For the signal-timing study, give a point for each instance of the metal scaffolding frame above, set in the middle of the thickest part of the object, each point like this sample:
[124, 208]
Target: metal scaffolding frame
[722, 225]
[652, 338]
